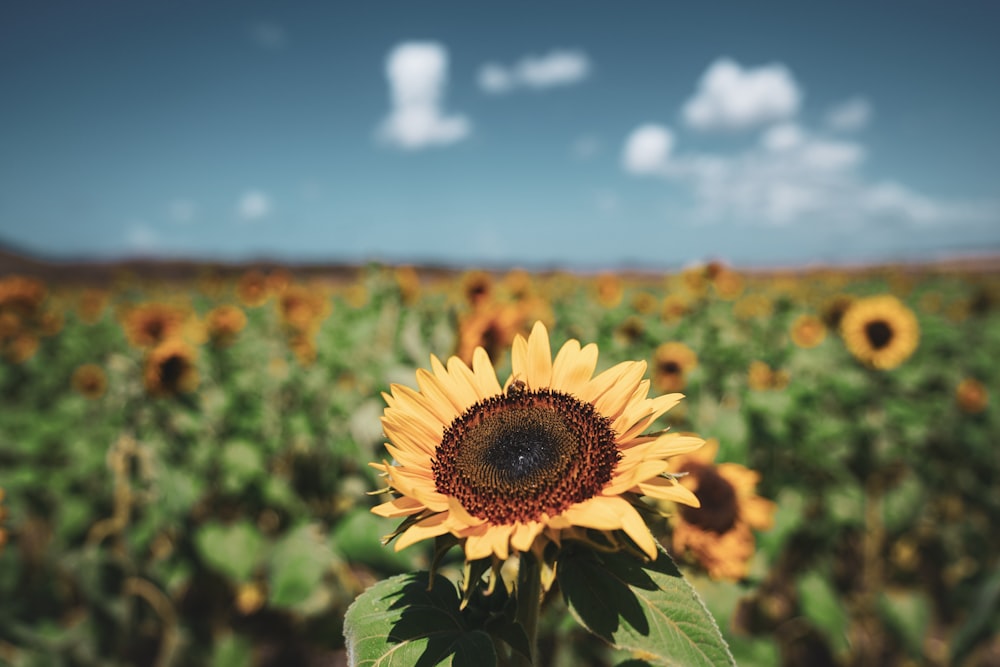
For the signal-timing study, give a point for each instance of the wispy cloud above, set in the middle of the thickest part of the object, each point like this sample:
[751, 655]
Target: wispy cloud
[557, 68]
[418, 79]
[253, 205]
[731, 97]
[791, 175]
[182, 211]
[849, 116]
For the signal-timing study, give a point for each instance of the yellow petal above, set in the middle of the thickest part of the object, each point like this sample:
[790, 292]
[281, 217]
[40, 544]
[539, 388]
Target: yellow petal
[394, 509]
[640, 473]
[430, 527]
[448, 406]
[637, 529]
[665, 489]
[539, 359]
[524, 535]
[599, 512]
[573, 367]
[488, 540]
[614, 401]
[486, 375]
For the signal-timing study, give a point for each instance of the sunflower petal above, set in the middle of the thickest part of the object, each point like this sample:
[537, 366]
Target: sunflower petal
[430, 527]
[539, 359]
[403, 506]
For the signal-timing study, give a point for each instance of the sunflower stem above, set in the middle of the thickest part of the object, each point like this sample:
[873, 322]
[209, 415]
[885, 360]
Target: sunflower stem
[529, 601]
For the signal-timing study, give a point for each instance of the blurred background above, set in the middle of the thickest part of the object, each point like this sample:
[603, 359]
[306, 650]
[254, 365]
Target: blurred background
[227, 227]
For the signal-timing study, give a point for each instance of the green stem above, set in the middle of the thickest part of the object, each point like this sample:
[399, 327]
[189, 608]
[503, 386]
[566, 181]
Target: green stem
[529, 600]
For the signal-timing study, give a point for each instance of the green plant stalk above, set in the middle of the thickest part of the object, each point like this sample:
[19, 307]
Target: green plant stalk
[529, 601]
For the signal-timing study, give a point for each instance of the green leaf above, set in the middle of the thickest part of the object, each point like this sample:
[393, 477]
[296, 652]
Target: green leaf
[232, 651]
[643, 607]
[231, 550]
[297, 566]
[399, 622]
[821, 605]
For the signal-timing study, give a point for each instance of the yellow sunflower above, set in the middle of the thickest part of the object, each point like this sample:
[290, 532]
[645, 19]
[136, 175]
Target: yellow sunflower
[252, 289]
[170, 369]
[90, 381]
[880, 331]
[671, 364]
[972, 396]
[674, 307]
[808, 331]
[553, 452]
[719, 534]
[224, 323]
[149, 324]
[608, 289]
[491, 326]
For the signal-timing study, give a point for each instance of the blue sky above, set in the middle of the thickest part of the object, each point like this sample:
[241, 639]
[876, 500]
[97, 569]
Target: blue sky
[592, 135]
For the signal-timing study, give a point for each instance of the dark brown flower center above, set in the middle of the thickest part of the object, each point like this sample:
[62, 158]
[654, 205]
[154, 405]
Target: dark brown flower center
[669, 367]
[171, 371]
[719, 506]
[879, 333]
[517, 455]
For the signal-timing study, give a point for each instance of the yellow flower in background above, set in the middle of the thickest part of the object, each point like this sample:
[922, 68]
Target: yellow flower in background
[671, 364]
[90, 381]
[880, 331]
[150, 324]
[727, 284]
[491, 327]
[972, 396]
[170, 369]
[477, 288]
[408, 282]
[223, 323]
[552, 452]
[608, 289]
[303, 309]
[808, 331]
[761, 377]
[718, 535]
[753, 306]
[90, 305]
[674, 307]
[252, 289]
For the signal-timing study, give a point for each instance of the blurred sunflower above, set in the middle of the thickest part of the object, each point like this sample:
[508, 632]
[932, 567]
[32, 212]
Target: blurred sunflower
[674, 307]
[223, 323]
[761, 377]
[90, 381]
[252, 289]
[608, 289]
[519, 284]
[718, 535]
[477, 288]
[880, 331]
[834, 308]
[753, 306]
[302, 308]
[490, 327]
[671, 364]
[808, 331]
[170, 369]
[149, 324]
[408, 283]
[90, 305]
[552, 453]
[727, 284]
[644, 302]
[971, 396]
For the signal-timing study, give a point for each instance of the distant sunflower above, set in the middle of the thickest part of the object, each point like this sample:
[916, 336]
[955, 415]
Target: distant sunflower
[223, 323]
[408, 282]
[90, 305]
[252, 289]
[808, 331]
[880, 331]
[608, 289]
[303, 309]
[490, 327]
[90, 381]
[644, 302]
[477, 288]
[719, 534]
[671, 364]
[727, 284]
[553, 452]
[170, 369]
[972, 396]
[674, 307]
[761, 377]
[149, 324]
[753, 306]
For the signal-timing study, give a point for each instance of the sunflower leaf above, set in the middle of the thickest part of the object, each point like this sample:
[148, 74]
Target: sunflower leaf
[648, 608]
[398, 621]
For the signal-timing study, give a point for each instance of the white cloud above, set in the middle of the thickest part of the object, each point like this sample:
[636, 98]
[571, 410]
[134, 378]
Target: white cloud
[730, 97]
[141, 237]
[268, 35]
[647, 149]
[849, 116]
[557, 68]
[253, 205]
[182, 211]
[782, 137]
[418, 76]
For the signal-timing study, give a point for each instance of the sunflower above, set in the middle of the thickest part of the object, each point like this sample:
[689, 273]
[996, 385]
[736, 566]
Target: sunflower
[224, 323]
[149, 324]
[671, 364]
[90, 305]
[510, 468]
[491, 327]
[644, 302]
[608, 289]
[252, 289]
[674, 307]
[408, 283]
[880, 331]
[753, 306]
[90, 381]
[728, 284]
[170, 369]
[477, 288]
[808, 331]
[761, 377]
[303, 309]
[972, 396]
[719, 534]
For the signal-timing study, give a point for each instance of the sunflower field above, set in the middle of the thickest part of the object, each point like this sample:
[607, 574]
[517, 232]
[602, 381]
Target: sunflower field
[185, 478]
